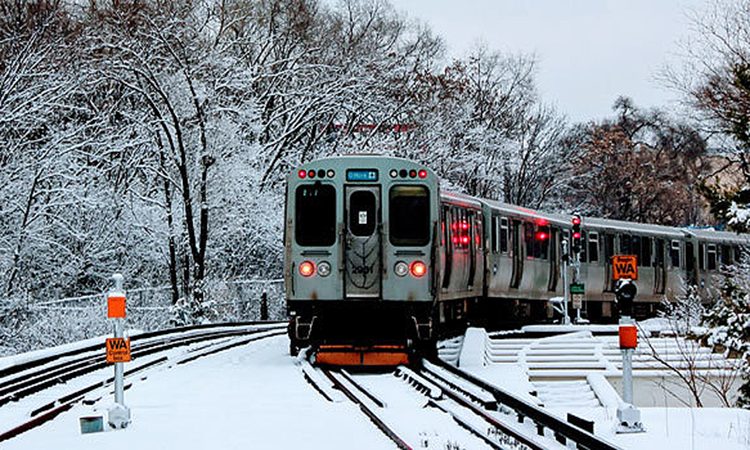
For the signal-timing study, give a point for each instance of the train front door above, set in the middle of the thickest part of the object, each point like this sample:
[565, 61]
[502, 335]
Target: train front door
[362, 248]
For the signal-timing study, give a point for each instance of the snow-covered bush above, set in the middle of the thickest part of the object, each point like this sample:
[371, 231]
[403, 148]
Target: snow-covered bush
[728, 320]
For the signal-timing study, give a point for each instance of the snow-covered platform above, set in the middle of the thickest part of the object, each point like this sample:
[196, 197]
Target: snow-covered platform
[577, 369]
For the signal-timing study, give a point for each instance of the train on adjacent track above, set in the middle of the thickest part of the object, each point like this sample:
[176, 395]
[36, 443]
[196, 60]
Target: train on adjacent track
[377, 256]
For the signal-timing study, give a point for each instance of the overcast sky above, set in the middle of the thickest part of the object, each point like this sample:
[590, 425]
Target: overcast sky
[589, 51]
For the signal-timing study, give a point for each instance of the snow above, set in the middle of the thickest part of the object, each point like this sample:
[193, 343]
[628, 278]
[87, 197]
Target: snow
[257, 396]
[250, 397]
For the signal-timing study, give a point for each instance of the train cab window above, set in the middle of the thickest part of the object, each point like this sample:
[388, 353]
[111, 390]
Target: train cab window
[674, 254]
[711, 256]
[504, 235]
[409, 215]
[362, 213]
[315, 215]
[593, 246]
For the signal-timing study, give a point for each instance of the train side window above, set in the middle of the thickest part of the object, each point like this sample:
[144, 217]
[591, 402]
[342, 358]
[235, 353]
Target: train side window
[726, 255]
[504, 235]
[593, 246]
[625, 245]
[711, 256]
[444, 228]
[659, 253]
[609, 246]
[409, 215]
[701, 257]
[315, 215]
[674, 254]
[645, 257]
[738, 254]
[495, 234]
[478, 232]
[583, 256]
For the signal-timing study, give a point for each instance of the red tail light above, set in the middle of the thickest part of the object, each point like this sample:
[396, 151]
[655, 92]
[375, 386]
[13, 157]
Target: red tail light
[302, 173]
[422, 173]
[307, 269]
[418, 269]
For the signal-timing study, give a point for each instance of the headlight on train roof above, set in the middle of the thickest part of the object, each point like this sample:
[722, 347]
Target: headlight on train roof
[324, 269]
[401, 269]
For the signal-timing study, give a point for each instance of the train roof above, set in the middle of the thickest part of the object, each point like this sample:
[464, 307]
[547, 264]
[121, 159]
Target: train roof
[633, 227]
[719, 236]
[557, 219]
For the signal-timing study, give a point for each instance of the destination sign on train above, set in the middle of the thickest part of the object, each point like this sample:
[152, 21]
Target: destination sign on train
[361, 175]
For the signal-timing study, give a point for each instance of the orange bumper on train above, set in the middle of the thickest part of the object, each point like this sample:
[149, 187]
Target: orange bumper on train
[376, 355]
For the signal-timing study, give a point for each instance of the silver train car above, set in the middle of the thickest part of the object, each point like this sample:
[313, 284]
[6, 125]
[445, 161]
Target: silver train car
[375, 253]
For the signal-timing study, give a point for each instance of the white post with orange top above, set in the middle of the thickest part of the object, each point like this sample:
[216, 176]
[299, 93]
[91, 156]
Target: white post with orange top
[118, 352]
[628, 415]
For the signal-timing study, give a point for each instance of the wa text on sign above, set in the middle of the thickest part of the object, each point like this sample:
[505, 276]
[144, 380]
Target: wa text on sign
[624, 266]
[118, 350]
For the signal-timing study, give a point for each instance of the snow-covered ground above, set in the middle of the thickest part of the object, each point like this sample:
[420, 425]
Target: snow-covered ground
[255, 396]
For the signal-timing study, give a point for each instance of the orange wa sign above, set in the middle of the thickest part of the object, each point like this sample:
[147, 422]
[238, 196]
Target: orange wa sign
[624, 266]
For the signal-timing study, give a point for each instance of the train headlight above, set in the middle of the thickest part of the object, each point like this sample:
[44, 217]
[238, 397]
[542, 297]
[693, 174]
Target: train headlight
[418, 269]
[401, 268]
[324, 269]
[307, 269]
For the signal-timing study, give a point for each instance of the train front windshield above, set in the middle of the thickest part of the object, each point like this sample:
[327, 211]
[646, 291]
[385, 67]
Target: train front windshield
[315, 215]
[409, 215]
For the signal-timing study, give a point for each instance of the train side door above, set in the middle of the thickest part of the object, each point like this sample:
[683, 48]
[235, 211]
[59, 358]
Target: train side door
[517, 246]
[362, 252]
[660, 279]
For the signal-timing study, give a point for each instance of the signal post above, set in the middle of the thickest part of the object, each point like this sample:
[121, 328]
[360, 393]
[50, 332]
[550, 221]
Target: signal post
[118, 352]
[625, 267]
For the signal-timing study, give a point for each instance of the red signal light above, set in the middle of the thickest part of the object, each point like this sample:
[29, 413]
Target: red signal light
[464, 225]
[576, 220]
[302, 173]
[577, 235]
[542, 222]
[422, 173]
[307, 269]
[465, 240]
[541, 236]
[418, 269]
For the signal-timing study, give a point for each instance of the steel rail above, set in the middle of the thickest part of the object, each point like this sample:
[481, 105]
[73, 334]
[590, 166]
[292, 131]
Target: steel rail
[563, 430]
[387, 430]
[52, 409]
[42, 360]
[30, 383]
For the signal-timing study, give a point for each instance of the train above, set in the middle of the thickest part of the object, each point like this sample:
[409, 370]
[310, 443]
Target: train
[379, 259]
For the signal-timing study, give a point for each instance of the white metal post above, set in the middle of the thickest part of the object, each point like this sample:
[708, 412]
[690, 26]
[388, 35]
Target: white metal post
[119, 414]
[627, 375]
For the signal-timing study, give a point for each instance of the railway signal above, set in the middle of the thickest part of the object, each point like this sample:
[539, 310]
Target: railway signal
[576, 233]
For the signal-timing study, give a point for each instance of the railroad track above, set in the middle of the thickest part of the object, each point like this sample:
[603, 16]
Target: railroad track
[490, 416]
[35, 376]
